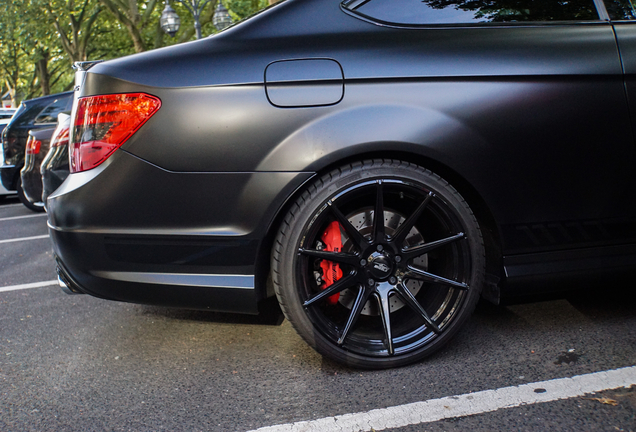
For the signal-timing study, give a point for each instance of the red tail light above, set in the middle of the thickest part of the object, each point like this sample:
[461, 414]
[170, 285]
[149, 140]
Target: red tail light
[33, 145]
[61, 135]
[104, 123]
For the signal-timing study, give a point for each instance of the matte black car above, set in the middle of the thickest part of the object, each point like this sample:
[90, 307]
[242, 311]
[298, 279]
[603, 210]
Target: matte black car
[375, 165]
[33, 114]
[37, 147]
[55, 166]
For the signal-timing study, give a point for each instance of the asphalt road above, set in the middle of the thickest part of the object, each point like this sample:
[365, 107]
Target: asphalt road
[79, 363]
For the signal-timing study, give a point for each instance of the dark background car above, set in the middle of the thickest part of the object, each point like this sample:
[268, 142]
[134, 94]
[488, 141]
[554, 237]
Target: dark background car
[32, 114]
[3, 123]
[37, 148]
[54, 168]
[3, 192]
[378, 166]
[7, 113]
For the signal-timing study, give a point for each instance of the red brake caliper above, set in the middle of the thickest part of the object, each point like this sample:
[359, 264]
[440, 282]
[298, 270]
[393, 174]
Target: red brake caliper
[330, 270]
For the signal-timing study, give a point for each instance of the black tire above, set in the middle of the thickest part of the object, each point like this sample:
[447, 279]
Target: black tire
[407, 285]
[36, 207]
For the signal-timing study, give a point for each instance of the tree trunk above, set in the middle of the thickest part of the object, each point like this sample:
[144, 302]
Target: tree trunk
[12, 93]
[42, 70]
[127, 21]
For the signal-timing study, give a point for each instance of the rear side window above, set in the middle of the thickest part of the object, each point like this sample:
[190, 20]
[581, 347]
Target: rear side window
[50, 112]
[423, 12]
[620, 10]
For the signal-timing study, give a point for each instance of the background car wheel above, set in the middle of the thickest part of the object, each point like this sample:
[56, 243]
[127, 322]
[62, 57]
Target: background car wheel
[378, 292]
[37, 207]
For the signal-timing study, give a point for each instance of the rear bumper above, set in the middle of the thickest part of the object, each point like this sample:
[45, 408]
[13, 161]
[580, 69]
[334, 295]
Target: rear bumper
[8, 176]
[54, 171]
[191, 291]
[32, 181]
[66, 281]
[130, 231]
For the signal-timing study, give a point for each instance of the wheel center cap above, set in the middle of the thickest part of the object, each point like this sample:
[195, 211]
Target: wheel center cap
[380, 266]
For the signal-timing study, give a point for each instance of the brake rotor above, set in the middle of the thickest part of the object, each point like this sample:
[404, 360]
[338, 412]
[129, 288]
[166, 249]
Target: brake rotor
[363, 222]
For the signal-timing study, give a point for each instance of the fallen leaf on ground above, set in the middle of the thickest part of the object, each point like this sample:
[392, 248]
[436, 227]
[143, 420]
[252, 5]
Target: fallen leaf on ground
[606, 401]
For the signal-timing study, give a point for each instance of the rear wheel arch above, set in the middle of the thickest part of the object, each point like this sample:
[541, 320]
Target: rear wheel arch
[486, 219]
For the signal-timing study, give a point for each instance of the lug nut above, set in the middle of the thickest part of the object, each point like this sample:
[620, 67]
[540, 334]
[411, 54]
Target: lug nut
[392, 280]
[398, 258]
[363, 262]
[380, 248]
[371, 282]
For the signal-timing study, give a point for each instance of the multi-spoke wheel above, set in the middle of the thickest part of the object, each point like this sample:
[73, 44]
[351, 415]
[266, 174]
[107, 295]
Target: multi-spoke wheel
[378, 264]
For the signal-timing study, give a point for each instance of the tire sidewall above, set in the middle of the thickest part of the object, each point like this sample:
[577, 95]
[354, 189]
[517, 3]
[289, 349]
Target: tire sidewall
[315, 197]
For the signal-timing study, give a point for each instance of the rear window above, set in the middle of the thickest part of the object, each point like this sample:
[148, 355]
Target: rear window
[423, 12]
[50, 112]
[24, 115]
[18, 112]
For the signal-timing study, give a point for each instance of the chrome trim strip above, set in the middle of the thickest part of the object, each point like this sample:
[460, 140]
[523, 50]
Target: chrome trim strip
[353, 4]
[221, 232]
[67, 289]
[602, 10]
[83, 66]
[181, 279]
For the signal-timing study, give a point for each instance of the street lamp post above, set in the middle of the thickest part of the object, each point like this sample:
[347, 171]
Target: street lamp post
[221, 18]
[170, 21]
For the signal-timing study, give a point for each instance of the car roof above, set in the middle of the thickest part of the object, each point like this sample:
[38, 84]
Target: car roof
[47, 98]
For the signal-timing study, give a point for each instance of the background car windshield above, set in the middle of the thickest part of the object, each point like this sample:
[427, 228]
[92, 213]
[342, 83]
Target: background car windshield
[475, 11]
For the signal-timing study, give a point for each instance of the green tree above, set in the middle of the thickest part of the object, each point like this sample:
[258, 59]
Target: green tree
[73, 22]
[13, 66]
[44, 52]
[135, 16]
[240, 9]
[40, 39]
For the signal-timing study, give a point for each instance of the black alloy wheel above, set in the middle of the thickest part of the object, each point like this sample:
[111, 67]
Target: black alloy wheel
[378, 292]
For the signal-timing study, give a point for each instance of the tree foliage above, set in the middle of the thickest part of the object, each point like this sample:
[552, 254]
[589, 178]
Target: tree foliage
[73, 21]
[11, 53]
[134, 16]
[41, 39]
[240, 9]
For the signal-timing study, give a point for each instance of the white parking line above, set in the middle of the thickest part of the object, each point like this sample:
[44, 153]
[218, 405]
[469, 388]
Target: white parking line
[24, 239]
[22, 217]
[466, 404]
[29, 285]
